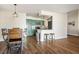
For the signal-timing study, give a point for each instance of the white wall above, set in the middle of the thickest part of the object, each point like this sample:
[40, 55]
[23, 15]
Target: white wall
[20, 21]
[5, 20]
[8, 21]
[73, 16]
[59, 23]
[78, 22]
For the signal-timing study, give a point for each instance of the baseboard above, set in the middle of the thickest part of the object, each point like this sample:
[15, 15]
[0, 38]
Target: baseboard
[60, 37]
[74, 34]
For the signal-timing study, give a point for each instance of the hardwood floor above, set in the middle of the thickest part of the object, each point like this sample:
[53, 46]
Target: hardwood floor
[2, 47]
[61, 46]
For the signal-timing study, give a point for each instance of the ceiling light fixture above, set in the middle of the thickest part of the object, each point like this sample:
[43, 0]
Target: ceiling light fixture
[15, 13]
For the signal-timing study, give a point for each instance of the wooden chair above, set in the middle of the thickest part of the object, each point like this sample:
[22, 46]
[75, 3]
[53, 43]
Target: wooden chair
[5, 37]
[5, 33]
[15, 40]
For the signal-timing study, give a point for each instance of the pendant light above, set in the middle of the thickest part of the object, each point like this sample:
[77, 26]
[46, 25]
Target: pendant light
[15, 12]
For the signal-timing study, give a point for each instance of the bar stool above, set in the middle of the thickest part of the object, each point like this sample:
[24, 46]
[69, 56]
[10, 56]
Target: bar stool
[52, 37]
[46, 37]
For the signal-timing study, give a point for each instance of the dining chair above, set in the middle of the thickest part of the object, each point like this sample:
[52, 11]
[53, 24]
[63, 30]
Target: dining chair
[5, 37]
[15, 40]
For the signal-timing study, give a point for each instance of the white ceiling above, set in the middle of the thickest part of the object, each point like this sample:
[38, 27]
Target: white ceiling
[35, 8]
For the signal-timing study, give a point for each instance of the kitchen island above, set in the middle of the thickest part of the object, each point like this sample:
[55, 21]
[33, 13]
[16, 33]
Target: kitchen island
[41, 34]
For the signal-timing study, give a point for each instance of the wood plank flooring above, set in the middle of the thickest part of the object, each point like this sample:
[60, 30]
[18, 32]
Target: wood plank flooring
[68, 45]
